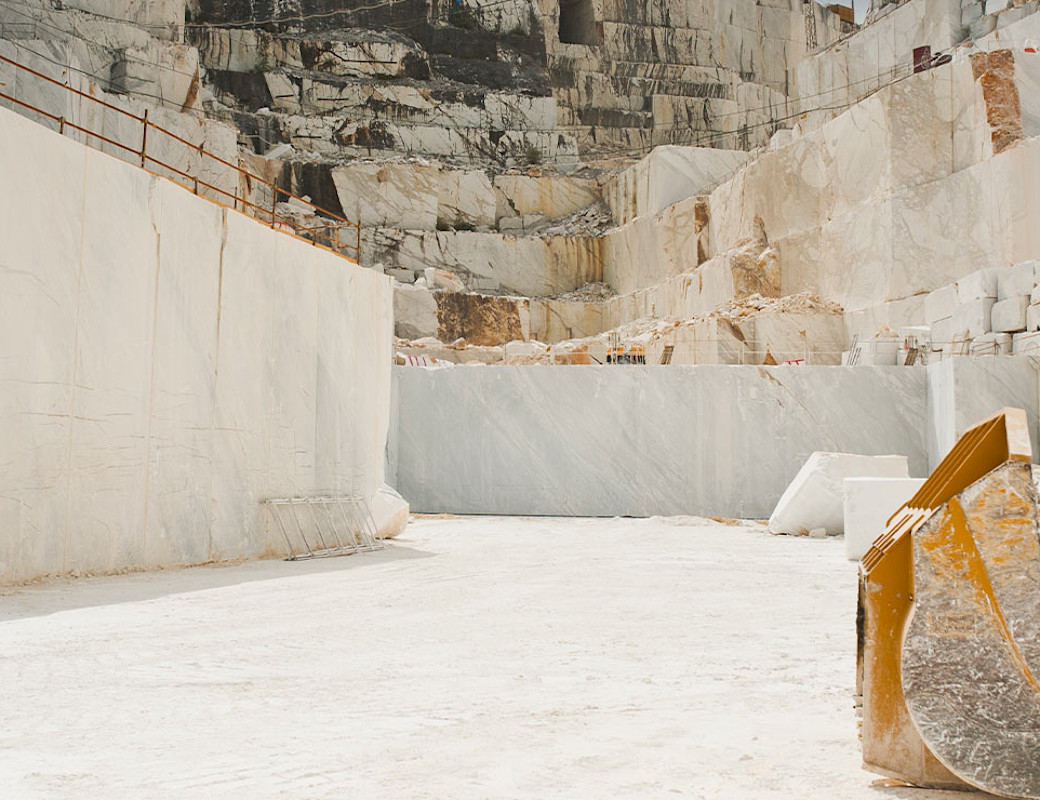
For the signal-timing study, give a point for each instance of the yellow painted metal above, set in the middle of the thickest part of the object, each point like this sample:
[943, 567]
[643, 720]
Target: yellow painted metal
[967, 566]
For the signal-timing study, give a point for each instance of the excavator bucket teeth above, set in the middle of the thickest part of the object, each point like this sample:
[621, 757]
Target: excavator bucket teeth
[950, 623]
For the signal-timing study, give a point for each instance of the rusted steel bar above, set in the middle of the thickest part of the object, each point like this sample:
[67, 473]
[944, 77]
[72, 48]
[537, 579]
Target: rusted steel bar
[68, 88]
[98, 136]
[31, 108]
[325, 236]
[250, 175]
[144, 138]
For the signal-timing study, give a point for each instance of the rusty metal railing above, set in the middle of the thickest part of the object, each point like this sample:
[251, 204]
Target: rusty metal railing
[329, 236]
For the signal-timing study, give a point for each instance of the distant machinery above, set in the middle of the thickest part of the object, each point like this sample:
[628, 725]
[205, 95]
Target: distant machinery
[619, 353]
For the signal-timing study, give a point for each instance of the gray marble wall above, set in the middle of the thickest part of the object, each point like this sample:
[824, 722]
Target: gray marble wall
[639, 441]
[964, 391]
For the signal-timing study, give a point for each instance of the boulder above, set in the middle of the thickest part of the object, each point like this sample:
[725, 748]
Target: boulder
[979, 284]
[389, 512]
[991, 344]
[973, 319]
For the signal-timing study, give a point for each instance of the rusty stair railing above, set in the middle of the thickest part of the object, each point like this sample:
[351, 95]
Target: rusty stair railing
[329, 236]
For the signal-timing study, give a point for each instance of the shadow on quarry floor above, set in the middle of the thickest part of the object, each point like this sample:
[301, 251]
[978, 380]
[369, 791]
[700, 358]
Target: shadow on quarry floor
[55, 595]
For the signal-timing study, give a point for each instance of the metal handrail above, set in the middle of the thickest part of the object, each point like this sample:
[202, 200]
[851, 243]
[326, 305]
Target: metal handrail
[326, 236]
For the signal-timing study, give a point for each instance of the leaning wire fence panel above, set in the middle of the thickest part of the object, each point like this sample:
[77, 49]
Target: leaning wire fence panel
[319, 527]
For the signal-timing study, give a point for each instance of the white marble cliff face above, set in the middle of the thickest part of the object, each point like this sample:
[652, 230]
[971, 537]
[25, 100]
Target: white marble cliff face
[637, 441]
[527, 266]
[168, 364]
[871, 208]
[866, 60]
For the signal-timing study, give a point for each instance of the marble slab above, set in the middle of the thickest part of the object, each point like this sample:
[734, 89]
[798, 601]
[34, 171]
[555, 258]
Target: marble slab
[964, 391]
[639, 441]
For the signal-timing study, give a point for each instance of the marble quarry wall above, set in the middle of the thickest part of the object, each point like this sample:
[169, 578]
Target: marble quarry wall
[913, 186]
[65, 62]
[447, 80]
[516, 80]
[167, 365]
[643, 441]
[853, 67]
[632, 75]
[639, 441]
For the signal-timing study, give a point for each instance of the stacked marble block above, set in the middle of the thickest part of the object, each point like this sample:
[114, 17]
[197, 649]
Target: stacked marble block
[989, 312]
[981, 17]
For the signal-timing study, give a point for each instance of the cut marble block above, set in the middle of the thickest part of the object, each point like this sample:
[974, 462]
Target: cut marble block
[1026, 343]
[974, 318]
[991, 344]
[1017, 280]
[941, 333]
[815, 498]
[941, 303]
[979, 284]
[868, 504]
[1009, 316]
[1033, 317]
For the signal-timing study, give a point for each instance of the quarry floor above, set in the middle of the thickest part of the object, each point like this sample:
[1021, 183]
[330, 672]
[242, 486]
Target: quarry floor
[478, 658]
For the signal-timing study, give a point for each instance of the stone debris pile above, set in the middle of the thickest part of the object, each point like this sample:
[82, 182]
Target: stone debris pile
[594, 221]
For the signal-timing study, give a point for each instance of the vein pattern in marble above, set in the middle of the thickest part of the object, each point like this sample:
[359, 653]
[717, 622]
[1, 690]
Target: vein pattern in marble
[639, 441]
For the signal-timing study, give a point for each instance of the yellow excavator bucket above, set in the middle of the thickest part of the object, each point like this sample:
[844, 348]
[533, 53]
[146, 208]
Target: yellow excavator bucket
[949, 623]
